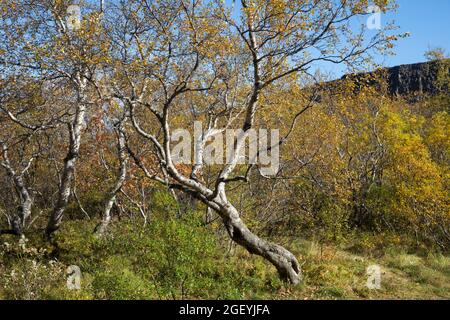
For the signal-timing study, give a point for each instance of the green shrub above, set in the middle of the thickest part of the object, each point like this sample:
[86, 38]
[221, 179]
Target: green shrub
[116, 280]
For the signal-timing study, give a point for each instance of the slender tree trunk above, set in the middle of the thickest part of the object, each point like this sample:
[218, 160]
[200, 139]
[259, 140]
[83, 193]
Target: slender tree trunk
[23, 213]
[24, 210]
[286, 263]
[112, 194]
[75, 131]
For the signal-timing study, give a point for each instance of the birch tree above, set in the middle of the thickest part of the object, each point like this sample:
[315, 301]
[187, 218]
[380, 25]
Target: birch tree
[172, 64]
[51, 41]
[122, 155]
[22, 121]
[17, 176]
[181, 61]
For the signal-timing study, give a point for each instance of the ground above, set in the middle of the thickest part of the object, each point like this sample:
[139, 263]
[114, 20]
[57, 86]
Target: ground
[170, 260]
[334, 273]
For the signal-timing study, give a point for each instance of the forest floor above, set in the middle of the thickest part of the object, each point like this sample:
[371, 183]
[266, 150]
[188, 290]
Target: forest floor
[176, 262]
[332, 273]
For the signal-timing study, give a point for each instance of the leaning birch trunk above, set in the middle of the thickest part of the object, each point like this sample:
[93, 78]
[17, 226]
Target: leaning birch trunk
[112, 194]
[75, 131]
[284, 261]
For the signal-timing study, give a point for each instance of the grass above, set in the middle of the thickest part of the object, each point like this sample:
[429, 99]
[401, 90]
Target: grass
[168, 261]
[332, 273]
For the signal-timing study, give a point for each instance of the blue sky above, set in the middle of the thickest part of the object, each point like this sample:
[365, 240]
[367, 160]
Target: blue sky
[429, 25]
[428, 22]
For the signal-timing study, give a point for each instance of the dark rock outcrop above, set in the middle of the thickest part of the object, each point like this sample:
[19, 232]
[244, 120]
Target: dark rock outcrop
[415, 78]
[410, 79]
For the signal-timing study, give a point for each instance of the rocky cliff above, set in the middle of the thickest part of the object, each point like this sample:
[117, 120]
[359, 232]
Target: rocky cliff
[412, 79]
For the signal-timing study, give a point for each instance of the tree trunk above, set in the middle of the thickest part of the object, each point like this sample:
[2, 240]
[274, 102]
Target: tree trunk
[75, 131]
[24, 210]
[112, 194]
[100, 229]
[285, 262]
[23, 213]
